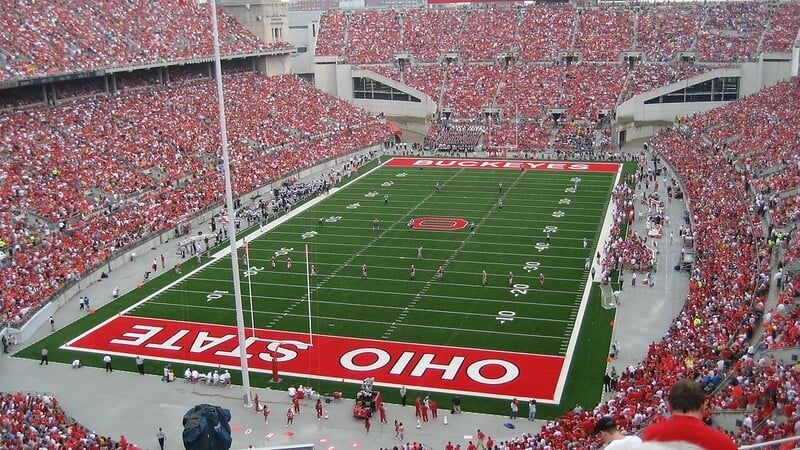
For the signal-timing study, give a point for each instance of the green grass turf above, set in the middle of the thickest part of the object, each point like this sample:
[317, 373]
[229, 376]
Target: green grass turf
[455, 311]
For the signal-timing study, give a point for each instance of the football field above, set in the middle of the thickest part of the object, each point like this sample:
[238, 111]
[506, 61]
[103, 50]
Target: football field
[397, 290]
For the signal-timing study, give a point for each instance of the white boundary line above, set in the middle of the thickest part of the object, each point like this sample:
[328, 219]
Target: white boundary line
[573, 340]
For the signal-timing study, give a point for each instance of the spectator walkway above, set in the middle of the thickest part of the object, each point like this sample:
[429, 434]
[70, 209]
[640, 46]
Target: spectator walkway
[646, 312]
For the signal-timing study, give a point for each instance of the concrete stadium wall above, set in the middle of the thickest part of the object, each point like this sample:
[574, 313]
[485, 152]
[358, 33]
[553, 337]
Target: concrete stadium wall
[303, 32]
[337, 79]
[276, 65]
[640, 121]
[325, 74]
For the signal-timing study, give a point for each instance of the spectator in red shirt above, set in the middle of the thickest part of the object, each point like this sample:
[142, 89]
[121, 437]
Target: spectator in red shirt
[686, 400]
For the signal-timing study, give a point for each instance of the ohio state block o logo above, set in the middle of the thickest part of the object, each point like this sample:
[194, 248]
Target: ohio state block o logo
[439, 223]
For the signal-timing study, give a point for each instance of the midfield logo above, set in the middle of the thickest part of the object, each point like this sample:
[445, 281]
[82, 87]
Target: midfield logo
[439, 223]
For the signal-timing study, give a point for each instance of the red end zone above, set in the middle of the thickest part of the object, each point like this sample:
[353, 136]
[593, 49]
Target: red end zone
[429, 367]
[504, 164]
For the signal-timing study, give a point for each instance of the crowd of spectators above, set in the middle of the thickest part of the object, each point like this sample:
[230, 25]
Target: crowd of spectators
[30, 420]
[544, 31]
[725, 31]
[372, 35]
[530, 89]
[89, 177]
[663, 30]
[785, 210]
[525, 91]
[427, 33]
[646, 77]
[782, 323]
[620, 251]
[468, 89]
[522, 134]
[771, 125]
[783, 27]
[591, 88]
[586, 90]
[535, 38]
[709, 340]
[732, 30]
[332, 35]
[583, 137]
[487, 33]
[604, 32]
[53, 37]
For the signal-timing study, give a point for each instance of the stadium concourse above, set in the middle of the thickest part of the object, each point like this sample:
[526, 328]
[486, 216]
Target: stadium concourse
[126, 403]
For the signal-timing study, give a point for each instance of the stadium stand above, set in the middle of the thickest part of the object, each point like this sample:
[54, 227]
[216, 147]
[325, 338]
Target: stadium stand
[661, 31]
[544, 30]
[428, 32]
[710, 338]
[646, 77]
[604, 32]
[372, 35]
[782, 29]
[517, 58]
[771, 125]
[721, 32]
[78, 189]
[332, 35]
[514, 58]
[486, 33]
[732, 30]
[60, 40]
[33, 420]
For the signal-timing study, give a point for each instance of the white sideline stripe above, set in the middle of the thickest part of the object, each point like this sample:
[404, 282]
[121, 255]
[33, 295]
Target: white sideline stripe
[605, 232]
[220, 254]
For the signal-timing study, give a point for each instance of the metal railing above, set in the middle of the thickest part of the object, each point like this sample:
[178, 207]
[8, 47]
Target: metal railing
[770, 444]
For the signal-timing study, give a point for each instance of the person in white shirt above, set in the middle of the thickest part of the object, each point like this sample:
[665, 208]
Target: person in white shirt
[606, 429]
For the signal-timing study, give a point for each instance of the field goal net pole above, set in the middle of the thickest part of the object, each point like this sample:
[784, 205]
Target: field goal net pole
[607, 298]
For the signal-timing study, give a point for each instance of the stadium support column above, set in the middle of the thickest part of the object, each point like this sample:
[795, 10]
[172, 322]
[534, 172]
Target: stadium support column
[237, 289]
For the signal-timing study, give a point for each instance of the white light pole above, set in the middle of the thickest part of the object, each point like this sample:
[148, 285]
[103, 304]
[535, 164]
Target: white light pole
[237, 290]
